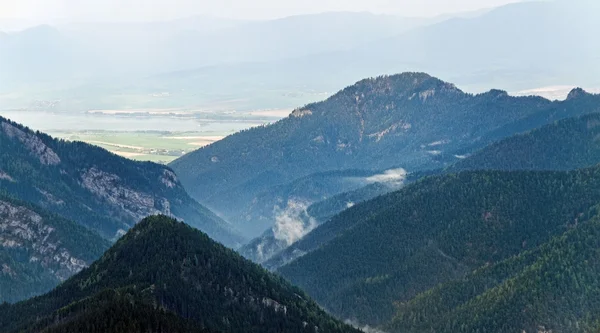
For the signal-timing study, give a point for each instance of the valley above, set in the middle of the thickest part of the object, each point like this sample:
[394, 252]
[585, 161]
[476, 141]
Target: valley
[153, 135]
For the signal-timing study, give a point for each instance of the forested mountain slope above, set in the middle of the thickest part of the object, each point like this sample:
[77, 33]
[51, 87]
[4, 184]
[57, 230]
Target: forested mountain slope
[564, 145]
[178, 276]
[411, 120]
[436, 230]
[329, 225]
[38, 249]
[552, 288]
[102, 191]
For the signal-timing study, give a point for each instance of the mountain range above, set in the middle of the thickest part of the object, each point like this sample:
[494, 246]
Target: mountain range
[79, 50]
[400, 202]
[405, 121]
[164, 276]
[475, 52]
[267, 62]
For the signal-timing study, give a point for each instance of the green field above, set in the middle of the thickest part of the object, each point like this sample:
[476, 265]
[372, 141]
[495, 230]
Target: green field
[160, 147]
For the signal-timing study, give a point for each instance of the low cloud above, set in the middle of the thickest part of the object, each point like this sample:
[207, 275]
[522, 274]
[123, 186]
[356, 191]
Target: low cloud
[392, 176]
[366, 329]
[293, 222]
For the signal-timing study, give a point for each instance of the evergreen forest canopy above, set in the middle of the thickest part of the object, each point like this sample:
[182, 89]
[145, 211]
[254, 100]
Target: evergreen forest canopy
[165, 275]
[394, 248]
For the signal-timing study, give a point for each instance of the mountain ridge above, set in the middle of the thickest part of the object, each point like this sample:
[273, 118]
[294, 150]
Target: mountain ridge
[165, 264]
[483, 217]
[102, 191]
[408, 120]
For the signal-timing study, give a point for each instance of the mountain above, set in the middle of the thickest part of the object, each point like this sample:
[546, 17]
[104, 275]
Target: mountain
[36, 54]
[284, 38]
[542, 41]
[551, 288]
[266, 63]
[180, 277]
[564, 145]
[100, 190]
[122, 49]
[436, 230]
[411, 120]
[38, 250]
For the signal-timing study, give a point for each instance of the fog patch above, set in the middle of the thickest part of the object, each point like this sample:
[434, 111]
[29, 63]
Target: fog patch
[366, 328]
[293, 222]
[392, 177]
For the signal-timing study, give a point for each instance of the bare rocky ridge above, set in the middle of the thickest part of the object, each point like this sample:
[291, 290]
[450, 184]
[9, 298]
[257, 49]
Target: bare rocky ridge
[137, 204]
[37, 148]
[22, 228]
[95, 188]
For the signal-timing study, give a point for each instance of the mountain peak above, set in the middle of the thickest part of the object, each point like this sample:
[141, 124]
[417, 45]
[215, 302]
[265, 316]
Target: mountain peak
[156, 221]
[576, 93]
[166, 264]
[404, 84]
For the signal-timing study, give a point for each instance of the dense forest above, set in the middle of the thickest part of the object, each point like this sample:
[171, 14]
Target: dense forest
[176, 276]
[436, 230]
[410, 120]
[87, 184]
[564, 145]
[552, 288]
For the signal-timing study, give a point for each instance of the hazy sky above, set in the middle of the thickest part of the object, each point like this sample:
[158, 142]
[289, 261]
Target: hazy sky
[145, 10]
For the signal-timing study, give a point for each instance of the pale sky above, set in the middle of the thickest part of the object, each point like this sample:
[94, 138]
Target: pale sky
[151, 10]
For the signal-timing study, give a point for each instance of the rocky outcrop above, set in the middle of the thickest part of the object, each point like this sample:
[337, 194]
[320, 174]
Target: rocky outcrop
[34, 144]
[137, 204]
[51, 199]
[380, 135]
[301, 113]
[5, 176]
[23, 229]
[169, 179]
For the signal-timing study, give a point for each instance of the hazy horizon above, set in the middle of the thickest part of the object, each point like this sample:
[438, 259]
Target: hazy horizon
[48, 11]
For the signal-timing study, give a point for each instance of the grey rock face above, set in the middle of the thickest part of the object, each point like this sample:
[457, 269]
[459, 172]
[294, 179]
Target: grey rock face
[21, 228]
[110, 188]
[35, 145]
